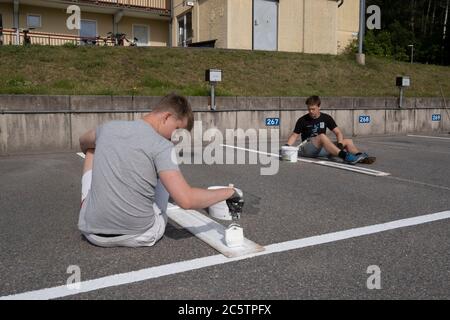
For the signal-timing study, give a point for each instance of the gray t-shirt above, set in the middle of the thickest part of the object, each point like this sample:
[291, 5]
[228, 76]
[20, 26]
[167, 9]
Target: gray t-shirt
[128, 156]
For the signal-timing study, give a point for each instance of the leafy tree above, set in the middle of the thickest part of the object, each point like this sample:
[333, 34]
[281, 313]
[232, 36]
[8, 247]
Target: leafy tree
[422, 23]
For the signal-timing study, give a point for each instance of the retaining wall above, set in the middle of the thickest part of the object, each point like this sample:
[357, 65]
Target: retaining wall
[54, 123]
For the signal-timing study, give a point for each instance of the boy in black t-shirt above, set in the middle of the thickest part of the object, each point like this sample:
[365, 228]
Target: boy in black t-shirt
[315, 143]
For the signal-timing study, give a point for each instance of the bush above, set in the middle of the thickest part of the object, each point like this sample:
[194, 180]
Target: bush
[70, 45]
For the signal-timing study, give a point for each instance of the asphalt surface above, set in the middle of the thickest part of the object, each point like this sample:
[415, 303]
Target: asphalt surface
[39, 203]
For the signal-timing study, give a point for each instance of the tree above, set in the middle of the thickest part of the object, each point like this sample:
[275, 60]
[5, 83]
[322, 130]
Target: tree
[422, 23]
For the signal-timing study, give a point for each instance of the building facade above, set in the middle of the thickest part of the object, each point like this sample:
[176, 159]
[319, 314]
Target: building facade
[146, 20]
[310, 26]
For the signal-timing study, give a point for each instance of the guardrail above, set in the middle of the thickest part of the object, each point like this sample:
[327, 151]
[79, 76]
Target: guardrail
[53, 39]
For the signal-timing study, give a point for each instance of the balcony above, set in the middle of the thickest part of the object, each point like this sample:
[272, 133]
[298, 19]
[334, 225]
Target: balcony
[10, 37]
[138, 4]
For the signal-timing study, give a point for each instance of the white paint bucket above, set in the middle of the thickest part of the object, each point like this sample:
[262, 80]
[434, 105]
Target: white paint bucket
[220, 210]
[289, 153]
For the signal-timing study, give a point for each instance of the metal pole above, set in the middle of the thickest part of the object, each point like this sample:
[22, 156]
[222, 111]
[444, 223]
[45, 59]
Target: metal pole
[400, 104]
[213, 98]
[360, 57]
[412, 52]
[362, 25]
[16, 20]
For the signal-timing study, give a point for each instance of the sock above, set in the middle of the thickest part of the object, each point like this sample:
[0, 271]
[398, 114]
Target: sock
[342, 154]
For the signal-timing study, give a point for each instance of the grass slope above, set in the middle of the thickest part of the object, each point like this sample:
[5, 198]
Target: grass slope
[156, 71]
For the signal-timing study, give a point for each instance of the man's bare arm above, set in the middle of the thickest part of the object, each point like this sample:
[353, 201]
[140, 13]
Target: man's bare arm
[188, 197]
[292, 139]
[87, 141]
[339, 135]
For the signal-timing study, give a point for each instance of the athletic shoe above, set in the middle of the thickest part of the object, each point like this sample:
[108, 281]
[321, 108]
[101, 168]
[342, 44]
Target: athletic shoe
[366, 159]
[351, 158]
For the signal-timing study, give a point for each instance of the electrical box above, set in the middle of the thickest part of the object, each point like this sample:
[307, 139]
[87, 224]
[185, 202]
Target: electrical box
[403, 81]
[213, 75]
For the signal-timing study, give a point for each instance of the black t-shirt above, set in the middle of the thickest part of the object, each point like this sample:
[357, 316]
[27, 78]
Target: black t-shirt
[309, 127]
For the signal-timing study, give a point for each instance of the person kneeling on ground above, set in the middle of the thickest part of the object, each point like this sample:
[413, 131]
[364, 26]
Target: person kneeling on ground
[123, 162]
[315, 143]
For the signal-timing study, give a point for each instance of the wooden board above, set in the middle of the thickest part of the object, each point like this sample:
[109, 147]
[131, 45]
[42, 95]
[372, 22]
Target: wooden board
[210, 231]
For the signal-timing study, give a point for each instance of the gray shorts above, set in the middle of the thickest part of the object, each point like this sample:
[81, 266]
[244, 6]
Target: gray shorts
[146, 239]
[308, 149]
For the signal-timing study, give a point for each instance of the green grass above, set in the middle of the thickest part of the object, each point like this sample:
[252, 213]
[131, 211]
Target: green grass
[157, 71]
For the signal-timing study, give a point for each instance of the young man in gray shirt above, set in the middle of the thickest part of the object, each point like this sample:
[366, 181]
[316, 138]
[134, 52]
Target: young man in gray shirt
[123, 162]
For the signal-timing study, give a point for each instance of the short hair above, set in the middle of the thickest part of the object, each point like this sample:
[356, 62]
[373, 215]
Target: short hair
[179, 105]
[313, 101]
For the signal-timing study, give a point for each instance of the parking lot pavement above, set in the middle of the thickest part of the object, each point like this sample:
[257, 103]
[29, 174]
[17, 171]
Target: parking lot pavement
[39, 201]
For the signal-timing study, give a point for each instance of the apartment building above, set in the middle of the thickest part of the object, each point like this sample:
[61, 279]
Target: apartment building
[146, 20]
[310, 26]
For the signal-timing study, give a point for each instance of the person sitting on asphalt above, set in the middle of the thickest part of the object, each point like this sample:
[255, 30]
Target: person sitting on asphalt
[315, 143]
[123, 162]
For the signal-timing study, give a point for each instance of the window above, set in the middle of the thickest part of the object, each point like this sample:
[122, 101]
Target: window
[185, 32]
[33, 21]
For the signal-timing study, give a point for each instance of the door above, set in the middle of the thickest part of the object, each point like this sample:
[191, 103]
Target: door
[185, 32]
[88, 31]
[265, 25]
[141, 35]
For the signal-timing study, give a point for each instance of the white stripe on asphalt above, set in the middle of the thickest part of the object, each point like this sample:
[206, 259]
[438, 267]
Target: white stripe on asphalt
[427, 137]
[341, 166]
[195, 264]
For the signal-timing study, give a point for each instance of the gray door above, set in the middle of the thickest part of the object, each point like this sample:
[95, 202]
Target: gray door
[265, 24]
[141, 34]
[88, 32]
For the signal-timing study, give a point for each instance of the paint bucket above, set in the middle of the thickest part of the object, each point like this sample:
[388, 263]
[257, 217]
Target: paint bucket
[289, 153]
[220, 210]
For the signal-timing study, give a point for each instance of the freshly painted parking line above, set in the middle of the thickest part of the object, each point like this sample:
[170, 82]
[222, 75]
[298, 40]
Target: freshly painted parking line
[195, 264]
[427, 137]
[336, 165]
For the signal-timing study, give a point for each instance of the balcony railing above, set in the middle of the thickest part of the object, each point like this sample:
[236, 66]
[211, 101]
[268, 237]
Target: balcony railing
[53, 39]
[150, 4]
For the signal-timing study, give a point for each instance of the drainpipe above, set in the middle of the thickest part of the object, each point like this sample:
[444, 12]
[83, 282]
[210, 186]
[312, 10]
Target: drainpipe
[170, 23]
[16, 21]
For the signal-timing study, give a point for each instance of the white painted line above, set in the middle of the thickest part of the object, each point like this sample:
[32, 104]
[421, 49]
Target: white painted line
[427, 137]
[420, 183]
[195, 264]
[342, 166]
[81, 154]
[353, 168]
[209, 231]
